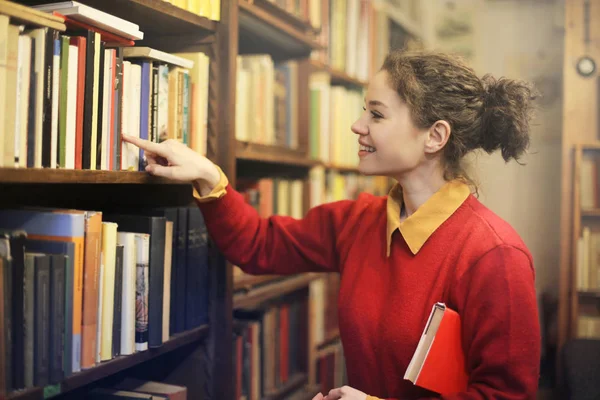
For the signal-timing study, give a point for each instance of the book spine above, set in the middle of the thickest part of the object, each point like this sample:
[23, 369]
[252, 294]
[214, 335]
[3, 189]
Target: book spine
[29, 319]
[116, 348]
[100, 123]
[118, 109]
[57, 316]
[42, 321]
[17, 246]
[141, 291]
[51, 35]
[196, 270]
[157, 270]
[179, 268]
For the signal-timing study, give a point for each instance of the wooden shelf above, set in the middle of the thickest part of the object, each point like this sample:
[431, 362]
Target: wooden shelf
[294, 383]
[116, 365]
[261, 31]
[250, 282]
[294, 20]
[254, 298]
[154, 17]
[591, 212]
[589, 294]
[341, 168]
[338, 77]
[331, 339]
[69, 176]
[272, 154]
[588, 145]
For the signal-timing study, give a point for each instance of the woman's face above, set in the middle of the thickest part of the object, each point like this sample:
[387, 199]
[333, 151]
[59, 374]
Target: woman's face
[391, 144]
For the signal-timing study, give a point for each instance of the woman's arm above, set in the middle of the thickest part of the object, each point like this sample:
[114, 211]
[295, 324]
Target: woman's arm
[279, 245]
[275, 245]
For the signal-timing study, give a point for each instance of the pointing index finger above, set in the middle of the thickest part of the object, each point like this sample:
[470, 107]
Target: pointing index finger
[145, 145]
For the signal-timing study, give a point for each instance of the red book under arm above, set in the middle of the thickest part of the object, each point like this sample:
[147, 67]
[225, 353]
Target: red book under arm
[438, 363]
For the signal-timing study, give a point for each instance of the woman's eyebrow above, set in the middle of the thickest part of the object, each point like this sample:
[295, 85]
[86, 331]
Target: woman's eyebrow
[376, 103]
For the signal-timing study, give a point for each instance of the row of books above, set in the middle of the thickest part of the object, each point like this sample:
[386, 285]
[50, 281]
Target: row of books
[331, 368]
[333, 110]
[329, 185]
[82, 287]
[306, 10]
[272, 347]
[588, 259]
[267, 101]
[354, 34]
[210, 9]
[274, 196]
[588, 180]
[588, 326]
[71, 95]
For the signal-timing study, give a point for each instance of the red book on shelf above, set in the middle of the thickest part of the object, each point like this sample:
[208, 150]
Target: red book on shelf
[438, 363]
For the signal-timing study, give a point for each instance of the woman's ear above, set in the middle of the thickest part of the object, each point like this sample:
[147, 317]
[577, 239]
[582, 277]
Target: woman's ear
[437, 136]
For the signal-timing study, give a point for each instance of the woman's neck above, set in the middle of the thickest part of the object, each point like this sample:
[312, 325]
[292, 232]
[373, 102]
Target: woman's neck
[416, 190]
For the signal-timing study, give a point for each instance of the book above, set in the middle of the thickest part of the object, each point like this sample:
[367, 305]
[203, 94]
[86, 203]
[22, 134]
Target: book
[92, 16]
[438, 363]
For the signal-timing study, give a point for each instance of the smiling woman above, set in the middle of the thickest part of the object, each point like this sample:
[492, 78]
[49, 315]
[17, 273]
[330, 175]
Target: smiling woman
[430, 240]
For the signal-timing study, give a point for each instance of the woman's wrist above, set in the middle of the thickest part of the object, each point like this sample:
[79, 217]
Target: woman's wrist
[204, 186]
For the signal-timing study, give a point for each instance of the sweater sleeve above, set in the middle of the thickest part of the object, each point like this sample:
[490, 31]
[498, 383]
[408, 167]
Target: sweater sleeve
[275, 245]
[500, 327]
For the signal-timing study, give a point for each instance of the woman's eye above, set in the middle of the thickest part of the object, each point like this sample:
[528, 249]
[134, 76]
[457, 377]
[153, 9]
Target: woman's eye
[375, 115]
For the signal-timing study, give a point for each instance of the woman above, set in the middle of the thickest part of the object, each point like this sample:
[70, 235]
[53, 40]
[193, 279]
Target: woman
[429, 240]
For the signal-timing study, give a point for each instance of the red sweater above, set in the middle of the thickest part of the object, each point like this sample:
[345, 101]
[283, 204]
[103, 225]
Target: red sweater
[473, 261]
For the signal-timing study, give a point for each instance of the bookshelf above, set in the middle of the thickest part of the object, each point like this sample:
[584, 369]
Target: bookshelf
[245, 27]
[579, 305]
[118, 364]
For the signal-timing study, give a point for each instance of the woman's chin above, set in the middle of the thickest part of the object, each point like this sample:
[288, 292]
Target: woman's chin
[367, 168]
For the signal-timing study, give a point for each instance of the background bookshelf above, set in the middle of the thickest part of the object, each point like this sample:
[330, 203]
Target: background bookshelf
[579, 303]
[288, 144]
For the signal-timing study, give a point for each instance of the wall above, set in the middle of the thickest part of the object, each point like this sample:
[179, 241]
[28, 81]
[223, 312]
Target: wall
[524, 40]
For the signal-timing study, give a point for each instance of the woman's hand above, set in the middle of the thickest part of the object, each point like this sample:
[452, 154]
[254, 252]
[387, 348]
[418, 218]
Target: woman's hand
[174, 160]
[344, 392]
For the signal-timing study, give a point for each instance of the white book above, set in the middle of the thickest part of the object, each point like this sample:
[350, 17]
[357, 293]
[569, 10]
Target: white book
[109, 253]
[157, 55]
[23, 76]
[56, 56]
[126, 148]
[95, 17]
[4, 22]
[127, 239]
[135, 106]
[106, 84]
[71, 107]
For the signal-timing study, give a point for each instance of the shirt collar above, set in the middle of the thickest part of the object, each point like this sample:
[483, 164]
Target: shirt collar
[418, 227]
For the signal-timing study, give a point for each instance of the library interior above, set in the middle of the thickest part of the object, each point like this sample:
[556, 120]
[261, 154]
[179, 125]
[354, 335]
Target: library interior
[196, 200]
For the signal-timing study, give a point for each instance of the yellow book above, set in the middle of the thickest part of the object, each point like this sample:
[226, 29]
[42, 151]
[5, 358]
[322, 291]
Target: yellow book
[204, 8]
[109, 253]
[193, 6]
[215, 10]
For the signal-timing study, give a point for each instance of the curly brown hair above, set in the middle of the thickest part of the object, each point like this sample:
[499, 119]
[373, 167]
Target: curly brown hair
[487, 113]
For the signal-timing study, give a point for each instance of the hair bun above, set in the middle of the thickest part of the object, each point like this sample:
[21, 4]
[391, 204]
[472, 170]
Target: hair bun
[507, 110]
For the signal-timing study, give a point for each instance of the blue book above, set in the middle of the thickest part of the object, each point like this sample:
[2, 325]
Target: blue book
[145, 108]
